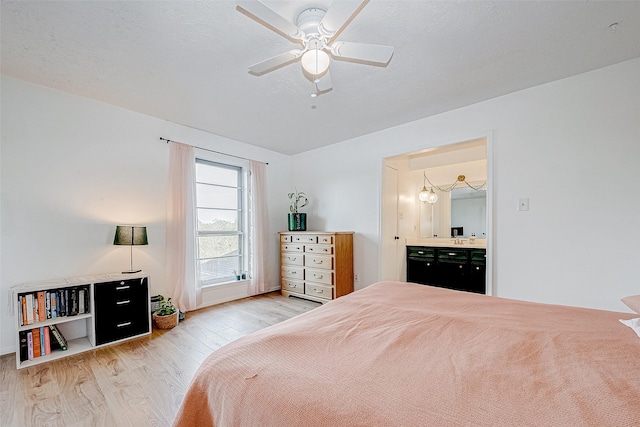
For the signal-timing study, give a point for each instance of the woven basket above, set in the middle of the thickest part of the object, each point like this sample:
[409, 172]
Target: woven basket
[166, 322]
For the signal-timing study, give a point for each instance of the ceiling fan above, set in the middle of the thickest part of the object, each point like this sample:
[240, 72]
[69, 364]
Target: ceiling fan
[315, 30]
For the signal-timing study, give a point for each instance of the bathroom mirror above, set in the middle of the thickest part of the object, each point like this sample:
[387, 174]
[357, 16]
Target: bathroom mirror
[462, 208]
[469, 212]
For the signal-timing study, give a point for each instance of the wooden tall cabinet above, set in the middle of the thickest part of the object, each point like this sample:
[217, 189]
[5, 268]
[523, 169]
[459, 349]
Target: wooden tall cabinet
[316, 265]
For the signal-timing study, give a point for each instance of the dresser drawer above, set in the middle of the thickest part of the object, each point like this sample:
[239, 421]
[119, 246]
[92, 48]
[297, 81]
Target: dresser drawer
[295, 273]
[109, 329]
[321, 291]
[293, 286]
[319, 276]
[305, 238]
[325, 240]
[319, 249]
[109, 295]
[293, 247]
[319, 261]
[286, 238]
[292, 258]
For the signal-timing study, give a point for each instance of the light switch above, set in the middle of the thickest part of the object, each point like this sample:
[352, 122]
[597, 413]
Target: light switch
[523, 204]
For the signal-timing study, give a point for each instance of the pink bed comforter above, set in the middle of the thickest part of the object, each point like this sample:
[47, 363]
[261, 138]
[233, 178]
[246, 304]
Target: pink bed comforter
[400, 354]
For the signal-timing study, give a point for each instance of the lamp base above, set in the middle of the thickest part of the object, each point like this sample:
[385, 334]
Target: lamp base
[131, 272]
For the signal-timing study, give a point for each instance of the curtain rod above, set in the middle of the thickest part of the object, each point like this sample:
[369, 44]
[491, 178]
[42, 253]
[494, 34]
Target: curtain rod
[211, 151]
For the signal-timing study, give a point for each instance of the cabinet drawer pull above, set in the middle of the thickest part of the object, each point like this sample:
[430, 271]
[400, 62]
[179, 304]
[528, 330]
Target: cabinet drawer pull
[318, 262]
[127, 301]
[452, 254]
[292, 259]
[119, 288]
[318, 291]
[420, 253]
[122, 325]
[318, 277]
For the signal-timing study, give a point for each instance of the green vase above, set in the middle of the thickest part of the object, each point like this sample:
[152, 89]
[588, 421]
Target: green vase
[297, 221]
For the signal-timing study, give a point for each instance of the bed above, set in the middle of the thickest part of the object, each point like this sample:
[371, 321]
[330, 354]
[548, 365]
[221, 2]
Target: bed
[401, 354]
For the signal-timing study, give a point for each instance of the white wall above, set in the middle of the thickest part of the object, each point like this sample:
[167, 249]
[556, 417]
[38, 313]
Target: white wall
[73, 168]
[558, 144]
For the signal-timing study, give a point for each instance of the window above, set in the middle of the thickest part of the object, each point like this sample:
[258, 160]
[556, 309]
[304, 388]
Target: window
[220, 223]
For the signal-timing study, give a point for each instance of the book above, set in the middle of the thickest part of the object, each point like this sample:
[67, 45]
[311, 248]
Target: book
[43, 349]
[29, 303]
[74, 302]
[30, 345]
[35, 307]
[47, 304]
[66, 302]
[24, 347]
[81, 293]
[61, 304]
[54, 304]
[47, 340]
[23, 304]
[61, 341]
[42, 314]
[35, 333]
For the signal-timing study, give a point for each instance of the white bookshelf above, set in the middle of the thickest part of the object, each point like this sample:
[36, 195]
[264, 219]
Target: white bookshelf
[79, 330]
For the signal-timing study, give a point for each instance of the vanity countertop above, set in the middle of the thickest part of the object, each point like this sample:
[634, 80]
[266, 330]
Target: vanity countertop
[448, 243]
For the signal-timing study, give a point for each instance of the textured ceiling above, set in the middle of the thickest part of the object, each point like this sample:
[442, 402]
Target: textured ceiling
[186, 61]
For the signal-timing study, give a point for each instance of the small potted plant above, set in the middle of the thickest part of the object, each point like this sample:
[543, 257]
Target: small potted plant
[297, 220]
[166, 317]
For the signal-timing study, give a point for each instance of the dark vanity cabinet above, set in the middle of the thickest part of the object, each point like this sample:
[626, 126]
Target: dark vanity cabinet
[454, 268]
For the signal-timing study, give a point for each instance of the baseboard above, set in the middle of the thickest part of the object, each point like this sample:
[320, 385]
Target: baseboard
[224, 293]
[7, 350]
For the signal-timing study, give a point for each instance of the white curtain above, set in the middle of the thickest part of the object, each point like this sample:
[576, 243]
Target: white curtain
[257, 227]
[181, 245]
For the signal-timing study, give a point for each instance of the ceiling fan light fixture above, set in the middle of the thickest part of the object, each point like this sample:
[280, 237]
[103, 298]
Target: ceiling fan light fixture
[315, 62]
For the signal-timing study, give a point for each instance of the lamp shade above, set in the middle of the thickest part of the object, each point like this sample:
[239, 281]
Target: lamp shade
[315, 62]
[424, 194]
[130, 236]
[432, 197]
[428, 196]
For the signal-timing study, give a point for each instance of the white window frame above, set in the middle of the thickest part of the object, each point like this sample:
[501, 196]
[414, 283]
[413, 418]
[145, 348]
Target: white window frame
[203, 156]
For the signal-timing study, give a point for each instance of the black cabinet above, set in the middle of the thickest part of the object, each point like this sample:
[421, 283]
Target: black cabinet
[421, 265]
[454, 268]
[121, 309]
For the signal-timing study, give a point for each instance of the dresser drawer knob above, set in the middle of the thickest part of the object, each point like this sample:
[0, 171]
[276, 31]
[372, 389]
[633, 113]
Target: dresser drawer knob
[123, 302]
[318, 291]
[119, 288]
[122, 325]
[292, 259]
[318, 261]
[318, 277]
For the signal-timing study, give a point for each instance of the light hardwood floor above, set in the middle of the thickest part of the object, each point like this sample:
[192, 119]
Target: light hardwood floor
[136, 383]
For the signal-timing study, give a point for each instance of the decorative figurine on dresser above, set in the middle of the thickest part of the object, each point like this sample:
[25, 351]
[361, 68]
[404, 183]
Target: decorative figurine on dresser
[316, 265]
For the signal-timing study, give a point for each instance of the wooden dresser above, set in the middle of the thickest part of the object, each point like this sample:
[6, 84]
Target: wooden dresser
[316, 265]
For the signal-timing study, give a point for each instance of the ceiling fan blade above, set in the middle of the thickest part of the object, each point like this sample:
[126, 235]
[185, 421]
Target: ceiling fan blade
[325, 82]
[275, 62]
[375, 53]
[271, 19]
[338, 16]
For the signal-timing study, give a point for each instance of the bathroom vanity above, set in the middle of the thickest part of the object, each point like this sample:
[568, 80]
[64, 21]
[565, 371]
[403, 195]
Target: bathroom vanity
[448, 263]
